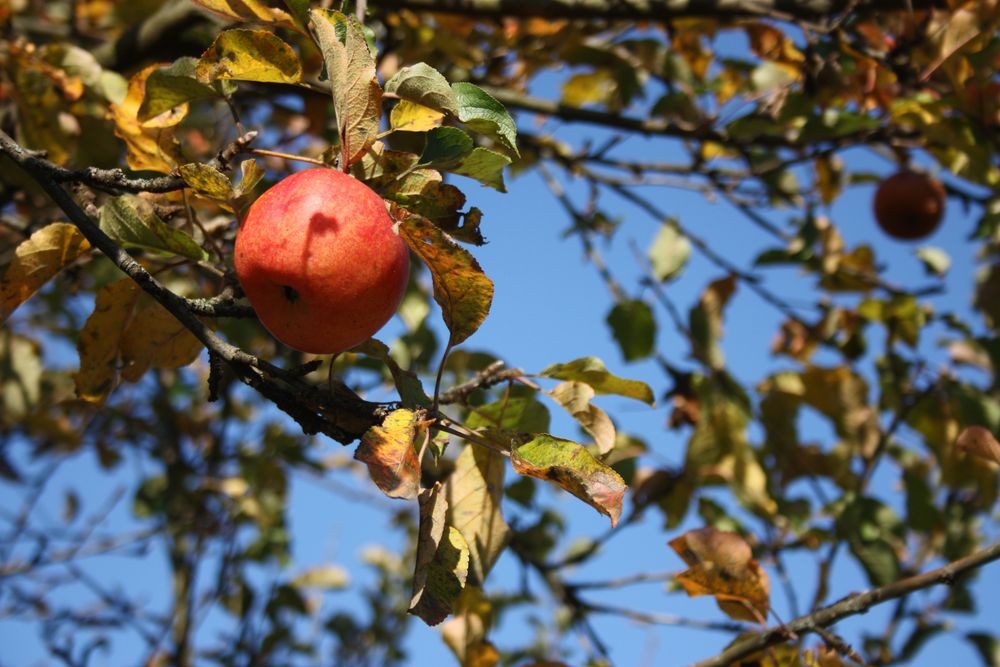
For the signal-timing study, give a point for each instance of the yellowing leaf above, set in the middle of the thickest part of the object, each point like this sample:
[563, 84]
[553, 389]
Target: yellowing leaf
[460, 287]
[21, 371]
[592, 371]
[389, 453]
[474, 491]
[132, 222]
[249, 55]
[572, 467]
[100, 340]
[155, 339]
[597, 87]
[150, 143]
[413, 117]
[576, 397]
[721, 563]
[247, 10]
[357, 96]
[442, 560]
[36, 261]
[328, 577]
[206, 180]
[980, 442]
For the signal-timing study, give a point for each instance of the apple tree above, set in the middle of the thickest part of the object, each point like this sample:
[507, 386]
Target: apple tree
[858, 446]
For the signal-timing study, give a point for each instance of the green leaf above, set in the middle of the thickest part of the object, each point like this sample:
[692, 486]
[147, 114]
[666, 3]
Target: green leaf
[523, 415]
[390, 455]
[592, 371]
[576, 397]
[423, 85]
[484, 114]
[935, 260]
[634, 328]
[446, 148]
[132, 222]
[669, 253]
[474, 491]
[706, 322]
[411, 390]
[570, 466]
[206, 181]
[442, 565]
[249, 55]
[988, 647]
[36, 261]
[300, 12]
[176, 84]
[350, 67]
[460, 287]
[485, 166]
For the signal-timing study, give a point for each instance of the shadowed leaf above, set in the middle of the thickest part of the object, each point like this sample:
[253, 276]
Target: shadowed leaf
[474, 491]
[155, 339]
[36, 261]
[249, 55]
[132, 222]
[411, 390]
[388, 451]
[174, 85]
[569, 465]
[634, 328]
[101, 338]
[442, 560]
[460, 287]
[485, 166]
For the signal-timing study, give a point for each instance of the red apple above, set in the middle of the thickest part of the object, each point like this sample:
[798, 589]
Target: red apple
[909, 205]
[320, 262]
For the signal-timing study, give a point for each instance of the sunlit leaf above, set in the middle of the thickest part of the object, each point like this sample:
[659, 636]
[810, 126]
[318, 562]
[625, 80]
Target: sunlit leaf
[253, 11]
[483, 113]
[390, 454]
[326, 577]
[413, 117]
[36, 261]
[156, 339]
[572, 467]
[576, 397]
[634, 328]
[474, 491]
[669, 253]
[206, 180]
[442, 565]
[423, 85]
[100, 340]
[460, 287]
[350, 67]
[524, 415]
[150, 143]
[132, 222]
[485, 166]
[978, 441]
[721, 563]
[249, 55]
[935, 260]
[592, 371]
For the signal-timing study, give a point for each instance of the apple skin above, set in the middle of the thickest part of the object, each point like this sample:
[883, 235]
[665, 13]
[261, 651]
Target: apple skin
[320, 261]
[909, 205]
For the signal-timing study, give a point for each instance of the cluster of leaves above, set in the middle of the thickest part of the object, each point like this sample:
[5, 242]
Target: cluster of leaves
[401, 103]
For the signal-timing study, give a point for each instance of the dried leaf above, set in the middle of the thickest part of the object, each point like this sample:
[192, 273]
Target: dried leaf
[460, 287]
[156, 339]
[978, 441]
[249, 55]
[576, 397]
[357, 96]
[569, 465]
[442, 560]
[36, 261]
[592, 371]
[389, 453]
[101, 338]
[721, 563]
[474, 491]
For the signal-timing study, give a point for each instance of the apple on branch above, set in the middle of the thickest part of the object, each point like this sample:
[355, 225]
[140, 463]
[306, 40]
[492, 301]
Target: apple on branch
[320, 261]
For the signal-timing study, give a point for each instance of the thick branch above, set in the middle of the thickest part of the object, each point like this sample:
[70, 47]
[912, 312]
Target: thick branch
[344, 419]
[851, 606]
[654, 9]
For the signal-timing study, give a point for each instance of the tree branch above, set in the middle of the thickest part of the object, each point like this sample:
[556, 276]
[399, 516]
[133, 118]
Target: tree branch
[654, 9]
[851, 606]
[343, 418]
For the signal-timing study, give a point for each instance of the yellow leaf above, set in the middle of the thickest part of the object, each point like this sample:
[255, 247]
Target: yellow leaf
[249, 55]
[155, 339]
[413, 117]
[584, 88]
[391, 458]
[100, 339]
[38, 260]
[721, 563]
[575, 397]
[247, 10]
[150, 144]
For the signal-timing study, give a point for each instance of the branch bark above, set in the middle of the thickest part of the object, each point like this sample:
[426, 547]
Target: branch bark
[654, 10]
[851, 606]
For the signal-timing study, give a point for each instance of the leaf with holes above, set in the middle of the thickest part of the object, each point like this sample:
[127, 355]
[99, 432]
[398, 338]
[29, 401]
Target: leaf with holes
[389, 452]
[460, 287]
[249, 55]
[569, 465]
[36, 261]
